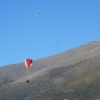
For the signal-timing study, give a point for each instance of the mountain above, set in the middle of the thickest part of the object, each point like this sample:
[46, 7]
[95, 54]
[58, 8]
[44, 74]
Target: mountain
[70, 75]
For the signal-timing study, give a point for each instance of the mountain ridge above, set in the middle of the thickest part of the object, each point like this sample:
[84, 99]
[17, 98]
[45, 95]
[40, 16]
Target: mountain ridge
[71, 75]
[70, 82]
[18, 71]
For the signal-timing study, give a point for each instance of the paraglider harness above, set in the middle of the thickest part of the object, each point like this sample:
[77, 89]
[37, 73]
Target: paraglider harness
[27, 81]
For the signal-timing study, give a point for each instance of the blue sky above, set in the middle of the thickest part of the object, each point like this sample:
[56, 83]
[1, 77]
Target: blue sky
[62, 25]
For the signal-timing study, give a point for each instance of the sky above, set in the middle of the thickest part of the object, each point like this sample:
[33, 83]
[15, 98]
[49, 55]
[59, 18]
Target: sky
[61, 26]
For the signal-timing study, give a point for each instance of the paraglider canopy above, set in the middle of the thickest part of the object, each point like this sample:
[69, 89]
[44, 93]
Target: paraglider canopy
[38, 14]
[28, 63]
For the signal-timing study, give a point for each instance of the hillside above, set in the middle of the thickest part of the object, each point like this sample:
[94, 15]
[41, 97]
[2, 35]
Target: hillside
[11, 73]
[80, 81]
[71, 75]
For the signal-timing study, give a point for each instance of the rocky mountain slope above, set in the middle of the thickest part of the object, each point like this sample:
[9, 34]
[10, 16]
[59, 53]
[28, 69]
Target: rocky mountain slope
[11, 73]
[71, 75]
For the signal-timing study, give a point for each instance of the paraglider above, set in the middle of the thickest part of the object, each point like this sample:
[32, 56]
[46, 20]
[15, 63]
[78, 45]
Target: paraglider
[37, 15]
[28, 63]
